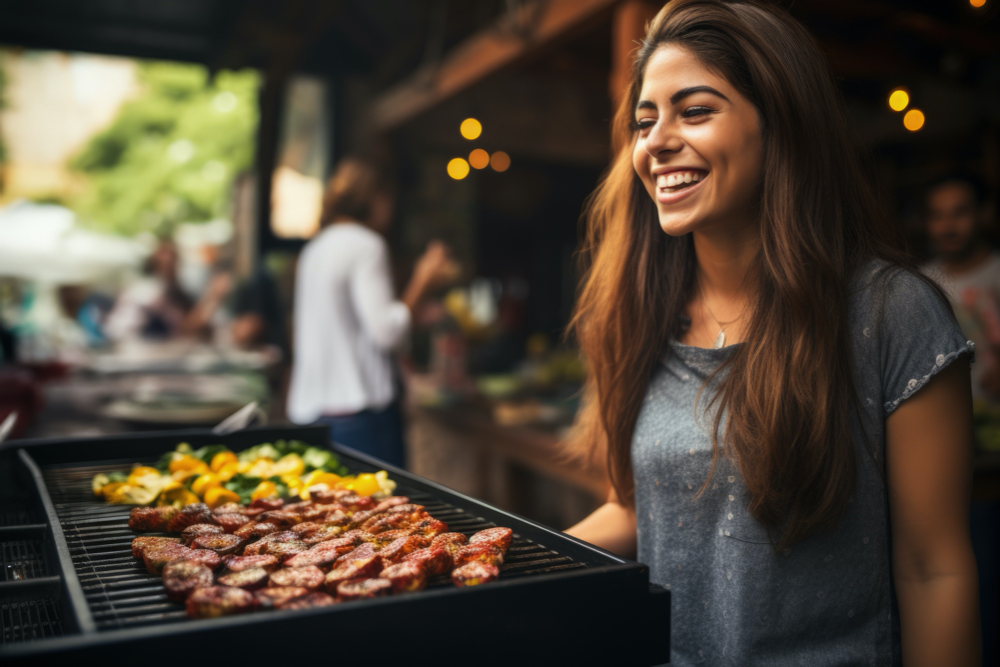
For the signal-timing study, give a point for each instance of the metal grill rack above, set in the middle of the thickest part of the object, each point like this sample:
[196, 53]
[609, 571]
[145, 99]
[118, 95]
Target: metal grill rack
[71, 590]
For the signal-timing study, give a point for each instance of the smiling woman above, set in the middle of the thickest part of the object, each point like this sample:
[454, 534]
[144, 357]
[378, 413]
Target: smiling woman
[773, 385]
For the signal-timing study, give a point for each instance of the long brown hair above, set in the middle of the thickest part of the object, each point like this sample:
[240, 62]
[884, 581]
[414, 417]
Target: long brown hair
[351, 191]
[789, 389]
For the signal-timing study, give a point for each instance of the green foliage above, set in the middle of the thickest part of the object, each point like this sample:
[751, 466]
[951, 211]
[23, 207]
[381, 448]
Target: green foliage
[3, 105]
[171, 154]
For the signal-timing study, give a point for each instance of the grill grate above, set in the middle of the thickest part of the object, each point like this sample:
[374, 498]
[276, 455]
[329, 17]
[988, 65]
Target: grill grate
[121, 594]
[29, 620]
[22, 559]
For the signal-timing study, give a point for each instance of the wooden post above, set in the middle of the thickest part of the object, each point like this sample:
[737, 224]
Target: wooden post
[627, 32]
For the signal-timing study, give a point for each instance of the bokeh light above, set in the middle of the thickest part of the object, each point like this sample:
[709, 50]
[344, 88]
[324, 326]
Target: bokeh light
[479, 159]
[899, 99]
[471, 128]
[500, 161]
[458, 168]
[977, 3]
[913, 120]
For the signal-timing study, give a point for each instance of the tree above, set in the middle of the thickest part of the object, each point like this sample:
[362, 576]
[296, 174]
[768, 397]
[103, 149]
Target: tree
[171, 153]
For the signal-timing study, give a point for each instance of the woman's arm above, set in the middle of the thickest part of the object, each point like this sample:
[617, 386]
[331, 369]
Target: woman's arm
[611, 526]
[929, 470]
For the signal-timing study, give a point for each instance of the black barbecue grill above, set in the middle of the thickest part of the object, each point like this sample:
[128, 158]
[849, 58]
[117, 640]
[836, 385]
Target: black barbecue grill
[70, 588]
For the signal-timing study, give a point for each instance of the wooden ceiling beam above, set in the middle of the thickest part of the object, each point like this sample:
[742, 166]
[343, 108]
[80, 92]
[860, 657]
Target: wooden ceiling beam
[480, 55]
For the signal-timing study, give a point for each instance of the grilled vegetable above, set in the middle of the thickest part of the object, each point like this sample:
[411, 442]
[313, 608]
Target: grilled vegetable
[361, 589]
[474, 574]
[310, 577]
[405, 577]
[249, 580]
[182, 577]
[215, 601]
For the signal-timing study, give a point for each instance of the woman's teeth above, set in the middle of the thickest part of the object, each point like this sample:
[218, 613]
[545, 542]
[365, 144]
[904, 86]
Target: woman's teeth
[676, 180]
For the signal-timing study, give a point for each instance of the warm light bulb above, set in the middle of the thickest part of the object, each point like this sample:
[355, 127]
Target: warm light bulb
[458, 168]
[500, 161]
[913, 120]
[471, 128]
[899, 99]
[479, 159]
[977, 3]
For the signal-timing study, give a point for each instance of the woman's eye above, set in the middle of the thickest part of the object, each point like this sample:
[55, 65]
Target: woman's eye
[691, 112]
[642, 124]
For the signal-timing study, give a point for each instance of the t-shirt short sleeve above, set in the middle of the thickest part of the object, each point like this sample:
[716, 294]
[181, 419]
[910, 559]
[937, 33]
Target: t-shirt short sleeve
[918, 336]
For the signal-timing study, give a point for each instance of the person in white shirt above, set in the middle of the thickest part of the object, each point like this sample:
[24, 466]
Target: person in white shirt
[347, 321]
[968, 269]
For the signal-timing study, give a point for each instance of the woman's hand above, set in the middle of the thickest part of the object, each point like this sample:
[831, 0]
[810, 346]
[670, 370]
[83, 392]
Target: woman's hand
[611, 527]
[434, 269]
[929, 471]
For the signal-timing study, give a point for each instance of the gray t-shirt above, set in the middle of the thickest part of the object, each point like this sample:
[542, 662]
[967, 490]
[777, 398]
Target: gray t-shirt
[829, 600]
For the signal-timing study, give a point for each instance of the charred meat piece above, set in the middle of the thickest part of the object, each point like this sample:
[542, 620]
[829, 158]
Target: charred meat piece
[398, 549]
[254, 531]
[322, 558]
[362, 589]
[139, 544]
[340, 546]
[308, 601]
[359, 568]
[181, 577]
[391, 501]
[474, 573]
[404, 577]
[231, 521]
[359, 518]
[356, 503]
[359, 536]
[229, 508]
[365, 550]
[430, 527]
[323, 534]
[224, 544]
[498, 537]
[285, 549]
[484, 553]
[382, 539]
[156, 557]
[281, 518]
[259, 547]
[188, 516]
[241, 563]
[249, 580]
[416, 512]
[278, 595]
[209, 559]
[215, 601]
[386, 521]
[433, 560]
[199, 529]
[450, 542]
[151, 519]
[335, 517]
[267, 504]
[306, 529]
[309, 576]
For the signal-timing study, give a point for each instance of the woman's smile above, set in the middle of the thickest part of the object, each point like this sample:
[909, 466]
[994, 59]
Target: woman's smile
[673, 185]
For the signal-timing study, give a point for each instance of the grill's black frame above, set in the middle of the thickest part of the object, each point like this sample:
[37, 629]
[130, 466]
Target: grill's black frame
[606, 612]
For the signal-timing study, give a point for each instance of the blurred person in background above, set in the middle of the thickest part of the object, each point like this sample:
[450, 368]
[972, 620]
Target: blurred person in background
[957, 215]
[154, 307]
[348, 322]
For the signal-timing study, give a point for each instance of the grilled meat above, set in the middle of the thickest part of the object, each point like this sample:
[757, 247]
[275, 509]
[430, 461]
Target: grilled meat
[249, 580]
[309, 576]
[358, 568]
[229, 508]
[308, 601]
[485, 553]
[387, 521]
[362, 589]
[155, 557]
[336, 517]
[498, 537]
[416, 512]
[388, 537]
[254, 531]
[199, 529]
[365, 550]
[276, 596]
[340, 546]
[209, 559]
[404, 577]
[223, 544]
[215, 601]
[146, 541]
[151, 519]
[231, 521]
[356, 503]
[267, 504]
[359, 518]
[188, 516]
[450, 542]
[433, 560]
[323, 534]
[285, 549]
[181, 577]
[281, 518]
[474, 573]
[241, 563]
[430, 527]
[398, 549]
[321, 558]
[391, 501]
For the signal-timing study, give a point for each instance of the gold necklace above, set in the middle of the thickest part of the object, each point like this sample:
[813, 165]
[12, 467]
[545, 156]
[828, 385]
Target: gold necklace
[720, 339]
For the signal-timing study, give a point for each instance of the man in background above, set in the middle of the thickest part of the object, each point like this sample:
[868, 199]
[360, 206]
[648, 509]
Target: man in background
[957, 215]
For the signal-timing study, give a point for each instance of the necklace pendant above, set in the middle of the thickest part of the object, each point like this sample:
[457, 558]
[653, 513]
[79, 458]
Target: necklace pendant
[720, 340]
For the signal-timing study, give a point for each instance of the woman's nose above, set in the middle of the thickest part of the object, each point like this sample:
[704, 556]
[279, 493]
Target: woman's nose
[662, 138]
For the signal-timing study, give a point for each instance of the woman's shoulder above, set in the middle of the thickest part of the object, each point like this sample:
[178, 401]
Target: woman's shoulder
[888, 289]
[350, 237]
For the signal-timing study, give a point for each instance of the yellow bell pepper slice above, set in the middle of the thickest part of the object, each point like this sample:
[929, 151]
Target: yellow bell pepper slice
[365, 484]
[221, 459]
[186, 462]
[218, 495]
[226, 472]
[176, 494]
[289, 464]
[264, 490]
[204, 483]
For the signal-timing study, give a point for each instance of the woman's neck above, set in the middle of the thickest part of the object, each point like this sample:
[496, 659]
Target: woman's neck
[724, 259]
